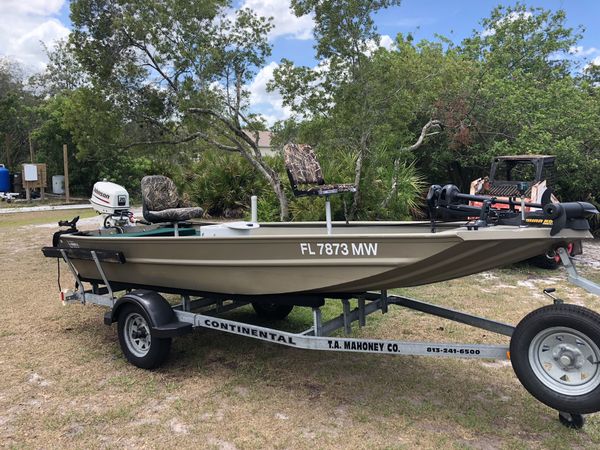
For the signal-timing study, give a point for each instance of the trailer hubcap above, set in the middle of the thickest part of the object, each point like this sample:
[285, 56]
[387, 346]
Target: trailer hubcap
[137, 335]
[565, 360]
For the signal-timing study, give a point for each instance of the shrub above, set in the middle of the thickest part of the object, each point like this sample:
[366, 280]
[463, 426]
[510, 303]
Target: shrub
[222, 183]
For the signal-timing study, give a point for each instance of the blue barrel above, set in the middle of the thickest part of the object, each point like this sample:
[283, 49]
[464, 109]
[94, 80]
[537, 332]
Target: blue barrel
[4, 179]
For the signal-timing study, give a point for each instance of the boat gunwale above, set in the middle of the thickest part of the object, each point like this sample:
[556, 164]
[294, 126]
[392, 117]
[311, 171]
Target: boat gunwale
[449, 234]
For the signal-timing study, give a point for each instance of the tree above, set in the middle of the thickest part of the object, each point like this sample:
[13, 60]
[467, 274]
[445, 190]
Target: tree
[345, 35]
[518, 39]
[177, 69]
[528, 98]
[17, 115]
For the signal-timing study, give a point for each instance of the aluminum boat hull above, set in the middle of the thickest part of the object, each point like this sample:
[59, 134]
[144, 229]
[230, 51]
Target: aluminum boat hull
[280, 258]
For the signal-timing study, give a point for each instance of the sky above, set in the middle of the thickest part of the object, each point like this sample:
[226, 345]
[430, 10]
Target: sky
[27, 25]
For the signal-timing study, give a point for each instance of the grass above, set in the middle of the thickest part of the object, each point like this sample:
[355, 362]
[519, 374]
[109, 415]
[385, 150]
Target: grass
[14, 220]
[65, 382]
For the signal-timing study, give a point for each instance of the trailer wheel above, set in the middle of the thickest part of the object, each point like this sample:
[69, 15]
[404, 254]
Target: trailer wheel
[137, 343]
[544, 262]
[555, 352]
[272, 311]
[550, 260]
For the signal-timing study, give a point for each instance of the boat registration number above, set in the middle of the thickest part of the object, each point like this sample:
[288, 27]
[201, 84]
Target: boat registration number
[338, 248]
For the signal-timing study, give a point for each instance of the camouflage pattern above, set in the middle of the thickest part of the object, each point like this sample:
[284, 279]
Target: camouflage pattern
[161, 201]
[304, 169]
[328, 189]
[301, 161]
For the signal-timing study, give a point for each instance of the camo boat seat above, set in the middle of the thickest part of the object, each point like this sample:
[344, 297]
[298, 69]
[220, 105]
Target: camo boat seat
[305, 174]
[161, 203]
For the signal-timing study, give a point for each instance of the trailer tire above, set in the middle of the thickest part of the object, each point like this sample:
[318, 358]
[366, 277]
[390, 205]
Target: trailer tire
[551, 260]
[555, 353]
[272, 311]
[137, 343]
[544, 262]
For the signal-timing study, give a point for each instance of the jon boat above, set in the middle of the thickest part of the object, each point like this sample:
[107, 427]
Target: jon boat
[555, 350]
[283, 258]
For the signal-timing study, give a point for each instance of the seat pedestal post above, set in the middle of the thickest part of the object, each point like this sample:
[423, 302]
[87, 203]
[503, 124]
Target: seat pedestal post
[328, 214]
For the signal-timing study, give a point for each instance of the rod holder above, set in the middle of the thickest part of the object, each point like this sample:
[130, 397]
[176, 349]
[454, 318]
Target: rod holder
[328, 214]
[254, 209]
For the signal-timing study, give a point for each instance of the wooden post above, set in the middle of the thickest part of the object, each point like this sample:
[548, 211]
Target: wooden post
[66, 163]
[31, 149]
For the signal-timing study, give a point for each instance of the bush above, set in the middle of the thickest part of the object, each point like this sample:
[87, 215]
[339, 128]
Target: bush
[222, 183]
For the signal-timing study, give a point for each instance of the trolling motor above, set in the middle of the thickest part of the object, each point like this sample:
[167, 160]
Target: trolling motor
[448, 199]
[71, 228]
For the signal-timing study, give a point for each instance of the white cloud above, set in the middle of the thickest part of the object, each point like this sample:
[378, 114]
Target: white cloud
[594, 62]
[34, 7]
[583, 52]
[488, 32]
[385, 41]
[286, 23]
[269, 104]
[24, 25]
[510, 18]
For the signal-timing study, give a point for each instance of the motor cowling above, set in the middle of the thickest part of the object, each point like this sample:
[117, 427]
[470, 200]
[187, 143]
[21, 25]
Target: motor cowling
[109, 198]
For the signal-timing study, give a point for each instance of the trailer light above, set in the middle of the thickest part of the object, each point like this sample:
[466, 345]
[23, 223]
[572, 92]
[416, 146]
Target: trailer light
[65, 295]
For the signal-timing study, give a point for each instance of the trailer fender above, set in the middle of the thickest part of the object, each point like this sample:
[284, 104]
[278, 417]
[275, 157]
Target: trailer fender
[159, 312]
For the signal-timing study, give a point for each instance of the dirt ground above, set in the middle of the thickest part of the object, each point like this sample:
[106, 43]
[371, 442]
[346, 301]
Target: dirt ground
[65, 384]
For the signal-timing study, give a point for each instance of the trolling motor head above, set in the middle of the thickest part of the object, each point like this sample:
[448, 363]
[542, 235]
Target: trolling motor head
[433, 195]
[573, 214]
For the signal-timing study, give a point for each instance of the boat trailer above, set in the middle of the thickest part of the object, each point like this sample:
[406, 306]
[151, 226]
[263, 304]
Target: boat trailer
[554, 350]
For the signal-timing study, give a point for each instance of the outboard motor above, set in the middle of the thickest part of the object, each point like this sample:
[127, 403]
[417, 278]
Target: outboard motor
[112, 201]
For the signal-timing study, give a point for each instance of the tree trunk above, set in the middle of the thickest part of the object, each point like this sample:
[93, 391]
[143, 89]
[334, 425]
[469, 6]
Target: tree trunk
[357, 177]
[394, 187]
[273, 178]
[358, 169]
[394, 184]
[283, 203]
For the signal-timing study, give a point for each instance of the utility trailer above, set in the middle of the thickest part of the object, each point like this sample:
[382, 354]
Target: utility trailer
[554, 350]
